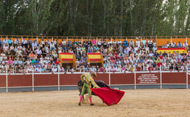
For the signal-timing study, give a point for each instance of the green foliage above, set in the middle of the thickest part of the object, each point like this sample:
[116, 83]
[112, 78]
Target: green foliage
[95, 17]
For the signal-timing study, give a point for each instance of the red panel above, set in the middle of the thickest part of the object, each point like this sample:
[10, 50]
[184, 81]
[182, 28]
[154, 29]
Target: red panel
[19, 80]
[147, 78]
[174, 77]
[95, 59]
[67, 59]
[94, 53]
[103, 77]
[66, 53]
[69, 79]
[171, 49]
[2, 81]
[45, 80]
[122, 78]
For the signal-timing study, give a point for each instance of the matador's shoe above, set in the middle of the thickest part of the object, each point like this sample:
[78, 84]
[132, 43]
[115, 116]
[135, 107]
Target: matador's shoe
[79, 104]
[91, 104]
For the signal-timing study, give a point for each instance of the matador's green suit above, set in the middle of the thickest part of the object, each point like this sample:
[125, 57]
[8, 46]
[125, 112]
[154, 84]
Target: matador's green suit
[88, 80]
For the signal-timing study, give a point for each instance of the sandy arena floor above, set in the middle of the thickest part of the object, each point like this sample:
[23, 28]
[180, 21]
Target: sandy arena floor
[138, 103]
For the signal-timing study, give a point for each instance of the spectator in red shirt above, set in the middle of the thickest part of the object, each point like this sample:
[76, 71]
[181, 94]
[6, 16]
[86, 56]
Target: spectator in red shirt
[150, 68]
[102, 69]
[57, 61]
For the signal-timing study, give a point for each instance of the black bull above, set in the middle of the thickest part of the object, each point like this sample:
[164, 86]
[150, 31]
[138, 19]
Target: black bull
[100, 83]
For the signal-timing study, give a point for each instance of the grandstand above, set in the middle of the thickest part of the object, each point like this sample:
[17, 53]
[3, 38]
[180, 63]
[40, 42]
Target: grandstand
[22, 54]
[125, 62]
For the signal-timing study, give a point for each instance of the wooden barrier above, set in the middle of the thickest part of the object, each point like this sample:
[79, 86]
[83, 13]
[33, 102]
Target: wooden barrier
[69, 79]
[122, 78]
[19, 80]
[48, 80]
[2, 81]
[178, 78]
[148, 78]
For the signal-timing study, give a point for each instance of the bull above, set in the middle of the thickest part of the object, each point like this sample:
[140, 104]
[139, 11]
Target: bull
[100, 83]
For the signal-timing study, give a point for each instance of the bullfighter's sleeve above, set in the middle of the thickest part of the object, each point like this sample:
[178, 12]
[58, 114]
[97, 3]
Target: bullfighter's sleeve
[94, 83]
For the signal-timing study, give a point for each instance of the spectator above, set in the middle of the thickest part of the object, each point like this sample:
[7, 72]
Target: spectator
[114, 42]
[17, 42]
[24, 42]
[131, 43]
[185, 45]
[1, 43]
[179, 45]
[10, 42]
[69, 43]
[119, 42]
[94, 42]
[5, 41]
[125, 43]
[110, 42]
[38, 69]
[138, 43]
[143, 41]
[48, 41]
[52, 46]
[54, 69]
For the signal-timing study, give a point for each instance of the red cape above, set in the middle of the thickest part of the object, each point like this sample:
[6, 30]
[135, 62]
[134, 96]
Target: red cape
[108, 95]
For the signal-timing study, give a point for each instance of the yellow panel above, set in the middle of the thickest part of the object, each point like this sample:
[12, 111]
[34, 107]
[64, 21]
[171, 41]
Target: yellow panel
[66, 56]
[94, 56]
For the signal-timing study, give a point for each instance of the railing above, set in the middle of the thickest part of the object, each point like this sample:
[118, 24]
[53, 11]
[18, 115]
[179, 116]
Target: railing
[61, 81]
[96, 37]
[160, 40]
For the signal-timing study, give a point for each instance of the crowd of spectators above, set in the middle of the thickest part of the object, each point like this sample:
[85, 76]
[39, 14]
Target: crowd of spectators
[23, 56]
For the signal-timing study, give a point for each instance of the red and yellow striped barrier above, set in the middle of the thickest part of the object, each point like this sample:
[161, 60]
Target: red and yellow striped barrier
[171, 50]
[95, 58]
[67, 58]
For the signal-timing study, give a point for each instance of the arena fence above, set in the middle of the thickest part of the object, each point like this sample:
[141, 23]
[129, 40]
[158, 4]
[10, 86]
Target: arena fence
[160, 40]
[61, 81]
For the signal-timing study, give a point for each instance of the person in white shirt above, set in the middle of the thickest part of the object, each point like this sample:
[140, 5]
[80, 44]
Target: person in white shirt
[29, 69]
[138, 43]
[151, 54]
[39, 51]
[147, 49]
[34, 45]
[48, 41]
[52, 46]
[54, 69]
[17, 41]
[54, 41]
[173, 44]
[107, 68]
[24, 42]
[38, 69]
[42, 42]
[64, 43]
[5, 47]
[110, 42]
[99, 43]
[149, 41]
[92, 69]
[19, 47]
[131, 43]
[119, 42]
[5, 41]
[185, 45]
[114, 42]
[118, 69]
[183, 68]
